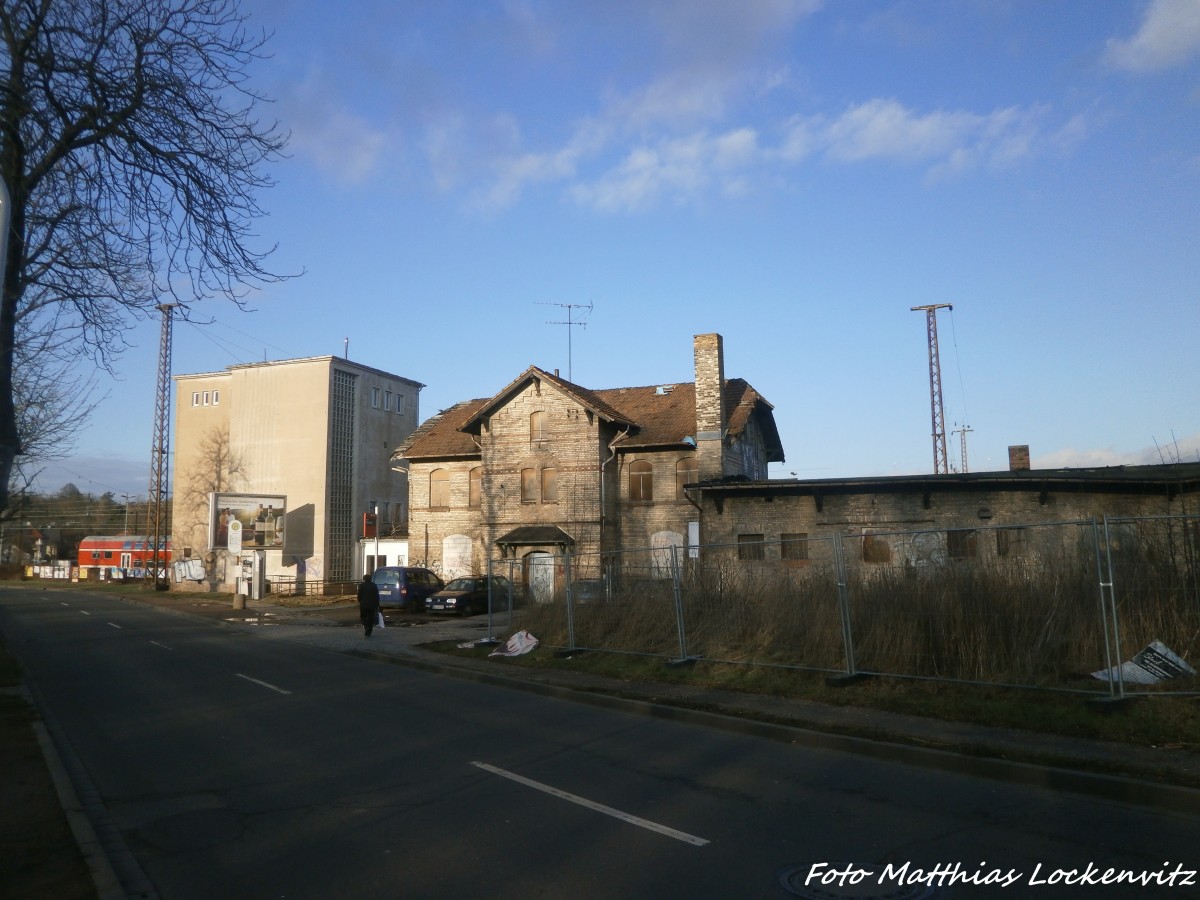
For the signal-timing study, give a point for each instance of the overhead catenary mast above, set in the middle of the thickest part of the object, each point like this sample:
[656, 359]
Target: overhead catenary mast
[941, 462]
[159, 530]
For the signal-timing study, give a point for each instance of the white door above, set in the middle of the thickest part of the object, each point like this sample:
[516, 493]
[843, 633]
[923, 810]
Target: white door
[541, 576]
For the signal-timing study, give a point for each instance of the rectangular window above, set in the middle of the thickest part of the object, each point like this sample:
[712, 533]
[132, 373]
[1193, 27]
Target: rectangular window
[876, 549]
[1010, 542]
[962, 544]
[387, 401]
[374, 398]
[206, 396]
[549, 485]
[750, 546]
[195, 398]
[793, 547]
[528, 485]
[401, 402]
[216, 397]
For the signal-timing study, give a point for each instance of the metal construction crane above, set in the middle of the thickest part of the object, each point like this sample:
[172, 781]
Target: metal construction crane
[159, 531]
[941, 462]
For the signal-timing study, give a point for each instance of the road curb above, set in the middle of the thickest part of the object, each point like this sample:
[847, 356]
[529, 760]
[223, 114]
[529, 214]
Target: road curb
[892, 748]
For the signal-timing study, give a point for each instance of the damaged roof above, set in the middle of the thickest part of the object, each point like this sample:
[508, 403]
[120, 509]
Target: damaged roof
[653, 415]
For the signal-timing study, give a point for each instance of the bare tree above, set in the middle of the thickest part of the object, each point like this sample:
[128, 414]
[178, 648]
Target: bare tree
[218, 468]
[52, 401]
[133, 158]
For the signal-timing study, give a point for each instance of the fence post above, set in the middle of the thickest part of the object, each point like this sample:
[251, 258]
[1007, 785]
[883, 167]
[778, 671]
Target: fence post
[843, 596]
[1112, 667]
[490, 639]
[1112, 611]
[680, 627]
[570, 604]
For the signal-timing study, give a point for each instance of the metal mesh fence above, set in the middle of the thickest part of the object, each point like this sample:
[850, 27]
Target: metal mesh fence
[1055, 606]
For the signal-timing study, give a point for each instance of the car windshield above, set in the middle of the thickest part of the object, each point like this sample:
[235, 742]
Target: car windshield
[383, 576]
[463, 584]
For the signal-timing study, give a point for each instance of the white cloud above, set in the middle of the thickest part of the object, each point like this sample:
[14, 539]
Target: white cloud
[335, 139]
[677, 170]
[1185, 449]
[1169, 35]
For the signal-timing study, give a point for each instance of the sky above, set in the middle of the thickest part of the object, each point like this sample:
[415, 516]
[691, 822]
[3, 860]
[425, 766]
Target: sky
[464, 176]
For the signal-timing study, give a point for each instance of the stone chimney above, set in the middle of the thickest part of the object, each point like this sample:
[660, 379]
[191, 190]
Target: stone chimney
[710, 405]
[1018, 458]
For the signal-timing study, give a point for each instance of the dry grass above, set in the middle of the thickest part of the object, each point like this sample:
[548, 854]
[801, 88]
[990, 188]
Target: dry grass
[1033, 622]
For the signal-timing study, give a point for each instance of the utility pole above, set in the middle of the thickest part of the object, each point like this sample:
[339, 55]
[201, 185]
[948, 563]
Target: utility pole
[159, 531]
[570, 323]
[962, 439]
[941, 463]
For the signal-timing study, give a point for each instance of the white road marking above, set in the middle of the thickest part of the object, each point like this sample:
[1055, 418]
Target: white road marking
[114, 624]
[598, 807]
[263, 683]
[164, 646]
[85, 612]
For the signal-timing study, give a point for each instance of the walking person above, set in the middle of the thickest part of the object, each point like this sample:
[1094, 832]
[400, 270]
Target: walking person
[368, 604]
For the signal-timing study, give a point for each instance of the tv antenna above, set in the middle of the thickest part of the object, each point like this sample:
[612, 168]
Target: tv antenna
[571, 322]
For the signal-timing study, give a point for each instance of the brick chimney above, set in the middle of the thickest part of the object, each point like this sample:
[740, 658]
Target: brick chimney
[1018, 458]
[710, 405]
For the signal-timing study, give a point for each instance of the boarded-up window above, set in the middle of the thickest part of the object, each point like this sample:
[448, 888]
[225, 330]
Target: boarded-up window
[549, 485]
[641, 481]
[1010, 542]
[962, 543]
[750, 546]
[876, 549]
[474, 487]
[685, 473]
[537, 426]
[793, 547]
[528, 485]
[439, 489]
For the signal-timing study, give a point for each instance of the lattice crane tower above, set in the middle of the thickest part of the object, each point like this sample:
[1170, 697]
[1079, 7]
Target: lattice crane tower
[159, 530]
[941, 462]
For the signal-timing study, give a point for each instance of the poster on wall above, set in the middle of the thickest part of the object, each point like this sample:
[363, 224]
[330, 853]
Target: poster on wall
[259, 519]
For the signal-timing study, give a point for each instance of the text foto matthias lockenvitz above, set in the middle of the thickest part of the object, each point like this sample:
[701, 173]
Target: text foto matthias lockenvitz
[1169, 874]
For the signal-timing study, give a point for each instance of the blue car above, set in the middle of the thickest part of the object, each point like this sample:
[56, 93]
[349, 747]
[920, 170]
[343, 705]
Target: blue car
[405, 587]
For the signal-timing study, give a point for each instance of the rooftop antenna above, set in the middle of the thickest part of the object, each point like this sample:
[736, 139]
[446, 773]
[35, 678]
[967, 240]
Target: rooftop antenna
[346, 348]
[941, 463]
[570, 323]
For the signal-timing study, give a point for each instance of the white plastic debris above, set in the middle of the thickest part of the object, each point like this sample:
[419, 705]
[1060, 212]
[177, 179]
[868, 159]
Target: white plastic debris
[1154, 664]
[520, 643]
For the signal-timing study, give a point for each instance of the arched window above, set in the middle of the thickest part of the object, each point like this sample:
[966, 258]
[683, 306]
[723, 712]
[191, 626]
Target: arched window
[473, 490]
[537, 426]
[685, 473]
[528, 485]
[641, 481]
[549, 485]
[439, 489]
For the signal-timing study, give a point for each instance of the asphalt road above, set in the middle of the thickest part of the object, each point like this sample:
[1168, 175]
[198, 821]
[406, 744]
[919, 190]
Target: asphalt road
[218, 764]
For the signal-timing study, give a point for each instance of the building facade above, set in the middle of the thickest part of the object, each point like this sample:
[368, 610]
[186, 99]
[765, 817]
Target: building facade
[320, 431]
[919, 520]
[545, 465]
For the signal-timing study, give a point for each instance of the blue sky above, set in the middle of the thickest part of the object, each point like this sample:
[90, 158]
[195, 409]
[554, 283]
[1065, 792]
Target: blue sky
[793, 174]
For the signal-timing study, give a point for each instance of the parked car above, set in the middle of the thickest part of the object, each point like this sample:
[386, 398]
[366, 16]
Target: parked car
[405, 587]
[469, 595]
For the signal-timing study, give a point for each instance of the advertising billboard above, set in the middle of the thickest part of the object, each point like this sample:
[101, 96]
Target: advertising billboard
[257, 518]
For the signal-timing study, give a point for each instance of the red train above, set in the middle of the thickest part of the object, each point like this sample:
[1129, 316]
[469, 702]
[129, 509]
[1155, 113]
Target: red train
[127, 554]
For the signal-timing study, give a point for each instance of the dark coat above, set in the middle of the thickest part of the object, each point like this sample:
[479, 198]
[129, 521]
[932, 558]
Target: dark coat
[368, 596]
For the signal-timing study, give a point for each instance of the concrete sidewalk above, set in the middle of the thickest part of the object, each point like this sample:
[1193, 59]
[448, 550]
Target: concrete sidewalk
[1149, 776]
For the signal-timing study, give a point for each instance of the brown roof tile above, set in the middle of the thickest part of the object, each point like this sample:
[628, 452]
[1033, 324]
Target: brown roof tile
[656, 415]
